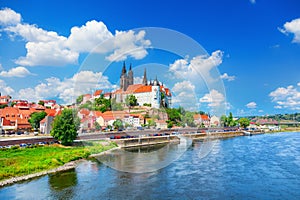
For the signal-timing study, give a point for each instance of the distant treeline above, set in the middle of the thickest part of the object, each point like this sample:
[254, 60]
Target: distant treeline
[280, 117]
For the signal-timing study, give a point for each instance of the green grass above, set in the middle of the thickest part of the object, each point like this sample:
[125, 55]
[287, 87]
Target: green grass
[18, 162]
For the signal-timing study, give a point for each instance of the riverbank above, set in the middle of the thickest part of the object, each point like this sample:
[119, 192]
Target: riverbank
[27, 163]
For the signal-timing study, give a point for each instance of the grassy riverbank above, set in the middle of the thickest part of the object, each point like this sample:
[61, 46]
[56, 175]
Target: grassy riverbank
[19, 162]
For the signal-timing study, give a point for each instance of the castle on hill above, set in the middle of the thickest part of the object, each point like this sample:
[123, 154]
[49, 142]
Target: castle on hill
[152, 92]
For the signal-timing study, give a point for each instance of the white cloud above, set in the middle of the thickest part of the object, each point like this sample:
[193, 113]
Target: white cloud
[213, 98]
[127, 43]
[251, 105]
[47, 54]
[47, 48]
[68, 89]
[88, 36]
[138, 79]
[253, 1]
[184, 95]
[225, 76]
[44, 48]
[9, 17]
[288, 97]
[260, 111]
[16, 72]
[1, 68]
[292, 27]
[5, 89]
[298, 84]
[199, 66]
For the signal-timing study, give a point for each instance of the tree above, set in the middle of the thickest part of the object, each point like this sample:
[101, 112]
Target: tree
[224, 121]
[65, 127]
[116, 106]
[188, 119]
[130, 100]
[79, 99]
[244, 122]
[118, 124]
[97, 126]
[41, 103]
[170, 124]
[151, 122]
[36, 118]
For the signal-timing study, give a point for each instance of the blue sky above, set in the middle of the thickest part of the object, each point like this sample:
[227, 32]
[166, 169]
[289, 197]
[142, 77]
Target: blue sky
[249, 64]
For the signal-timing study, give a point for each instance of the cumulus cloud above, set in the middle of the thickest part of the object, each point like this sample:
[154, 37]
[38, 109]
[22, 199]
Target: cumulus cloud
[288, 97]
[127, 43]
[214, 98]
[251, 104]
[5, 89]
[88, 36]
[9, 17]
[199, 66]
[44, 48]
[184, 95]
[16, 72]
[292, 27]
[68, 89]
[47, 48]
[138, 79]
[225, 76]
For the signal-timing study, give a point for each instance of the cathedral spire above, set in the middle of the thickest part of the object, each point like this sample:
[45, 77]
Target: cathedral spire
[130, 76]
[124, 68]
[145, 77]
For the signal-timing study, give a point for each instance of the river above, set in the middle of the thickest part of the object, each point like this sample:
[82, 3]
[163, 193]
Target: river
[251, 167]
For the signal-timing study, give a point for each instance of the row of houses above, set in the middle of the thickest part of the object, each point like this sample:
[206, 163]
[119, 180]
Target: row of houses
[89, 119]
[15, 114]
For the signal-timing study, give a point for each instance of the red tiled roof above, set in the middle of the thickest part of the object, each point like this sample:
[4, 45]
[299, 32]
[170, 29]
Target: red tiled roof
[133, 88]
[168, 93]
[143, 89]
[97, 92]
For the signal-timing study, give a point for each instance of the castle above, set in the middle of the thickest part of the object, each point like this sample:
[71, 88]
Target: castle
[150, 93]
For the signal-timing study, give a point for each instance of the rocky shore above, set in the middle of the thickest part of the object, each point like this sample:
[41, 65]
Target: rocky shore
[65, 167]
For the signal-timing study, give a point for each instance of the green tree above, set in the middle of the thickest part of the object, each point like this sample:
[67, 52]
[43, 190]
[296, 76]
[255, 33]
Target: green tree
[97, 126]
[79, 99]
[244, 122]
[116, 106]
[65, 127]
[118, 124]
[41, 103]
[188, 119]
[36, 118]
[223, 121]
[231, 121]
[169, 124]
[151, 122]
[130, 100]
[174, 115]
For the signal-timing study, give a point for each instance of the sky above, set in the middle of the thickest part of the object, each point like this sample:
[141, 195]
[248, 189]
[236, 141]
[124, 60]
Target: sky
[216, 56]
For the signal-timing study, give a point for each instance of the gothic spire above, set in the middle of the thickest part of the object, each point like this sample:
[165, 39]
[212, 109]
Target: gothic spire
[124, 68]
[145, 77]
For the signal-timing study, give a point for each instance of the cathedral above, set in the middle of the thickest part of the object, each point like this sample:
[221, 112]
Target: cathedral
[147, 93]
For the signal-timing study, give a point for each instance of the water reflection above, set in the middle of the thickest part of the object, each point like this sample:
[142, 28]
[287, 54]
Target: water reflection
[62, 180]
[145, 159]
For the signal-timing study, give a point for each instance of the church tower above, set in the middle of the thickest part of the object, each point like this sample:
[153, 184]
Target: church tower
[123, 78]
[130, 76]
[145, 77]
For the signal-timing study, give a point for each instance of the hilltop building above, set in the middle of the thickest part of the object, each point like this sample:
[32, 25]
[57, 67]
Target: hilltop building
[152, 92]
